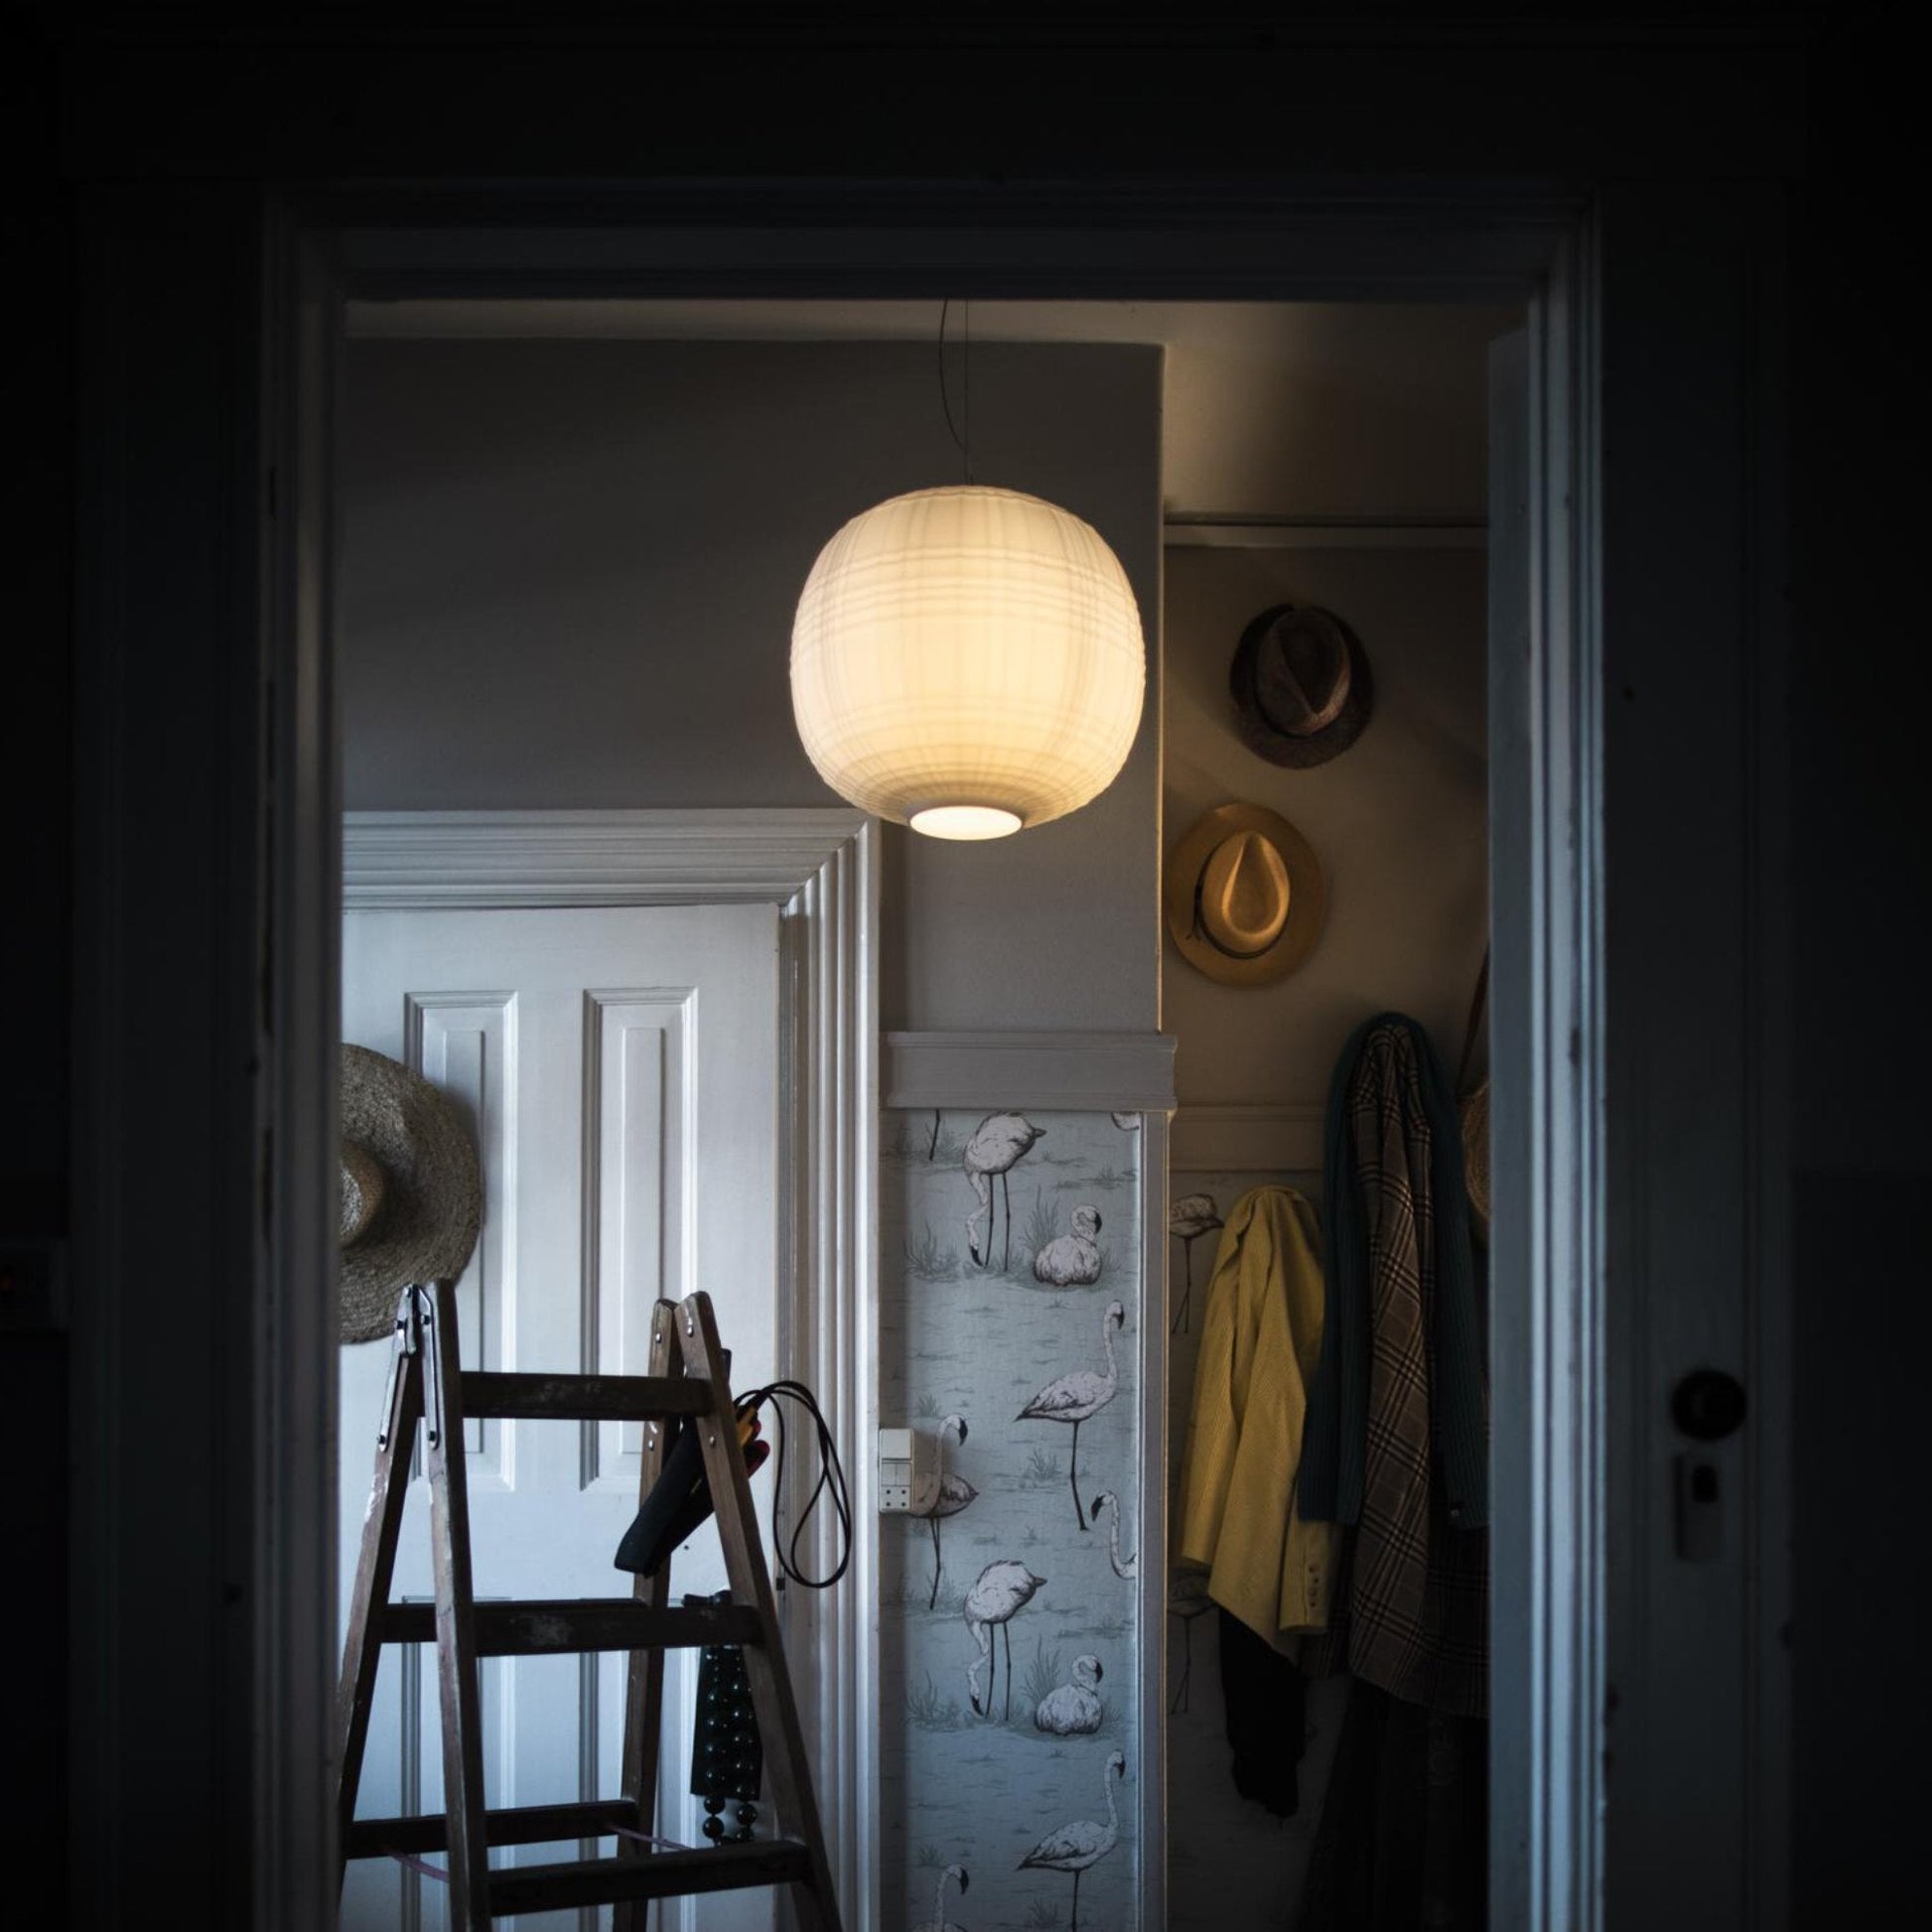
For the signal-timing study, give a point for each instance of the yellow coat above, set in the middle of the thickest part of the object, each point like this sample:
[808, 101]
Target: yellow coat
[1261, 1336]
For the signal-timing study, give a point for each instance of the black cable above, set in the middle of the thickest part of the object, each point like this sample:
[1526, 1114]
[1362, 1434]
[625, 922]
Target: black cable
[831, 1479]
[963, 442]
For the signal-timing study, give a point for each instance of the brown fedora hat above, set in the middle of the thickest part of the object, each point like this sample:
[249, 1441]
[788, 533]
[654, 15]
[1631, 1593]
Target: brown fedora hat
[1303, 688]
[1244, 896]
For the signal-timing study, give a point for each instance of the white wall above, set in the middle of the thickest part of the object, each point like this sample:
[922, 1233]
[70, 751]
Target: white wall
[568, 575]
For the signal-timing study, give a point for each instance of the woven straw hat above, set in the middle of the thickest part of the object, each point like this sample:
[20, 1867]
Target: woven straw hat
[1244, 896]
[1301, 685]
[411, 1190]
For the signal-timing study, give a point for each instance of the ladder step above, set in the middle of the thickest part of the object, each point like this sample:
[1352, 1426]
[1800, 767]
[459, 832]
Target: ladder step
[660, 1874]
[585, 1398]
[580, 1624]
[376, 1837]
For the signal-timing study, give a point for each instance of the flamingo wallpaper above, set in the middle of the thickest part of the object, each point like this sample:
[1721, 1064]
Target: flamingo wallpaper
[1009, 1639]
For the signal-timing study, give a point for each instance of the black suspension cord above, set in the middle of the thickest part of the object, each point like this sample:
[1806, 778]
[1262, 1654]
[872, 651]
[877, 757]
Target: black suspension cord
[964, 442]
[831, 1479]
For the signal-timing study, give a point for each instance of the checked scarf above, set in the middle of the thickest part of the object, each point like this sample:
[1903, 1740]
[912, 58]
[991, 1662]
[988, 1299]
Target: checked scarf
[1412, 1609]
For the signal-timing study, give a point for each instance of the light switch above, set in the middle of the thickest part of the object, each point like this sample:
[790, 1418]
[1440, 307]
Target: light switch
[897, 1447]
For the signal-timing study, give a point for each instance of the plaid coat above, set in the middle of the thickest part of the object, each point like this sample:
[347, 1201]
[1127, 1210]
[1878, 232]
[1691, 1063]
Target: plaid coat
[1411, 1613]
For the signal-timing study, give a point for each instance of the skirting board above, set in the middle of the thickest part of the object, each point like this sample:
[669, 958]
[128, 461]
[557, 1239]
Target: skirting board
[1098, 1072]
[1246, 1140]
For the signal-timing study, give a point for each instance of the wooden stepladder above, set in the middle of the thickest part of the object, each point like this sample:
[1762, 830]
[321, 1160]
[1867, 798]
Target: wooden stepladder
[687, 1378]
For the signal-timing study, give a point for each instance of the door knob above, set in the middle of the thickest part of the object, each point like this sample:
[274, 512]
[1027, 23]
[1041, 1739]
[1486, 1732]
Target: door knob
[1707, 1404]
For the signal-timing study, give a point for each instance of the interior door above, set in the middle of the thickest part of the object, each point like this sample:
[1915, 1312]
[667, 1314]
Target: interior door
[620, 1067]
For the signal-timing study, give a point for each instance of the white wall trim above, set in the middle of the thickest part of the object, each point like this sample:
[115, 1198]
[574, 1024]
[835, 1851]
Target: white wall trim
[1151, 1772]
[1246, 1138]
[1424, 531]
[821, 868]
[485, 860]
[1078, 1072]
[829, 971]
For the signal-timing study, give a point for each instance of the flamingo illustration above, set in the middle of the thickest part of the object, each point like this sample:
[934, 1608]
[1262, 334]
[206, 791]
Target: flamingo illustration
[1073, 1710]
[947, 1497]
[1004, 1590]
[1107, 1501]
[999, 1143]
[1128, 1123]
[1079, 1846]
[1075, 1397]
[1072, 1260]
[939, 1922]
[1191, 1216]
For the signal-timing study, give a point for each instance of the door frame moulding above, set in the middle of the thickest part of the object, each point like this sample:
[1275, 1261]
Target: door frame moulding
[493, 859]
[820, 869]
[1364, 241]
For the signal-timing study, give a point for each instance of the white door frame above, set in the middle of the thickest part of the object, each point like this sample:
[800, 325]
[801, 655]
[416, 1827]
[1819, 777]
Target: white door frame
[820, 869]
[253, 510]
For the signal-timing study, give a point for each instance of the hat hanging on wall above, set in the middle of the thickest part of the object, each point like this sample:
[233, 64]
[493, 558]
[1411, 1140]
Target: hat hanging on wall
[1303, 688]
[1244, 896]
[411, 1190]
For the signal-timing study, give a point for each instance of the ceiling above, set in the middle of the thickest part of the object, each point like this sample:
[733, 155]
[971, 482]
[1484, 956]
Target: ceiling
[1311, 410]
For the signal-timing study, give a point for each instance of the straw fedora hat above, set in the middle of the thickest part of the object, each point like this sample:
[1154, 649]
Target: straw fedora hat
[1301, 685]
[1244, 896]
[411, 1190]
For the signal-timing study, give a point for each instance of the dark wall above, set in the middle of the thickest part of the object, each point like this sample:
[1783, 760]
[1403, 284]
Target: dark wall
[168, 97]
[35, 953]
[1862, 813]
[569, 571]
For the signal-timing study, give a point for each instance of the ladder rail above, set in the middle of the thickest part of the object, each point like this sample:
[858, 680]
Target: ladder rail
[456, 1635]
[574, 1625]
[374, 1571]
[766, 1669]
[643, 1695]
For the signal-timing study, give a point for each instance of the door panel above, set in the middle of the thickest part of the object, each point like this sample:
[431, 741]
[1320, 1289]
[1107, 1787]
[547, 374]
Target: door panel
[636, 1097]
[466, 1044]
[619, 1067]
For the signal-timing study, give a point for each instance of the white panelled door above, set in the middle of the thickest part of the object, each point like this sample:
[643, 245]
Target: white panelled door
[620, 1067]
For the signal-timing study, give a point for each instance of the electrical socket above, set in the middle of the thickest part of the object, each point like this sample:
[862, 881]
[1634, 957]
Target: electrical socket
[897, 1469]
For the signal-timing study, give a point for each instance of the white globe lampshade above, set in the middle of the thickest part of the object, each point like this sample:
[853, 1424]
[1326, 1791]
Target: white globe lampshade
[967, 661]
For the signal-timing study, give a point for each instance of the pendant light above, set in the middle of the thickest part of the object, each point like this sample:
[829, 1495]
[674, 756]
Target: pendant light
[967, 660]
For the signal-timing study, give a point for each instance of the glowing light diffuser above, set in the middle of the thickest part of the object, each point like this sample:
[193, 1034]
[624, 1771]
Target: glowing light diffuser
[967, 661]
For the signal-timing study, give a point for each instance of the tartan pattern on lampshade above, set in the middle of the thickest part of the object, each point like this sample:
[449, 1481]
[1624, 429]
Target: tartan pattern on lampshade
[967, 646]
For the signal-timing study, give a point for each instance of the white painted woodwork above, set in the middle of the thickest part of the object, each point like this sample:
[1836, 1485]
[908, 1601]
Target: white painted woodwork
[820, 867]
[1107, 1072]
[1287, 1139]
[622, 1069]
[580, 857]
